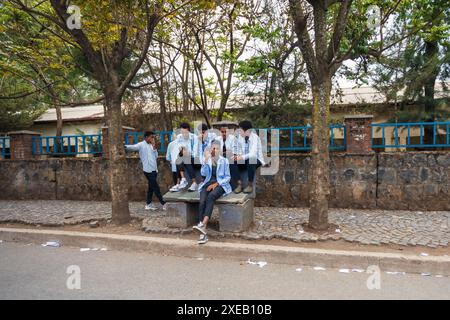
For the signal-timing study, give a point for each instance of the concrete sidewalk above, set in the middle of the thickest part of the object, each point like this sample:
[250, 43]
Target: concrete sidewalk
[371, 227]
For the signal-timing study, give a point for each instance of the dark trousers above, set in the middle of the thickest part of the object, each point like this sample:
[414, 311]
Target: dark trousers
[207, 199]
[236, 168]
[177, 174]
[193, 170]
[153, 187]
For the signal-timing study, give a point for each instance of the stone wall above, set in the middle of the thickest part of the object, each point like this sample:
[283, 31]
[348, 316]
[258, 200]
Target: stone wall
[416, 181]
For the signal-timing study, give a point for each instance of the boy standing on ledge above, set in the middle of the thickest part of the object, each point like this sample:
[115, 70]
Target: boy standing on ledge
[149, 155]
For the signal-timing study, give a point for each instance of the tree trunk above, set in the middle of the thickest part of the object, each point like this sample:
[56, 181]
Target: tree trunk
[431, 57]
[320, 175]
[117, 159]
[59, 127]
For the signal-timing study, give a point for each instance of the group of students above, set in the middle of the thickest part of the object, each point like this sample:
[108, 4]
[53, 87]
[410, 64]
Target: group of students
[209, 163]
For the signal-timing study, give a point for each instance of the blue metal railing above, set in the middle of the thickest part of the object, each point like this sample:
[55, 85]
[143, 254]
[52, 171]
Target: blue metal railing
[299, 138]
[5, 149]
[415, 135]
[165, 137]
[68, 145]
[291, 138]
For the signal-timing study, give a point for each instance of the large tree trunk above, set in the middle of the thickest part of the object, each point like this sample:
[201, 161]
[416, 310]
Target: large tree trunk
[431, 60]
[117, 159]
[320, 175]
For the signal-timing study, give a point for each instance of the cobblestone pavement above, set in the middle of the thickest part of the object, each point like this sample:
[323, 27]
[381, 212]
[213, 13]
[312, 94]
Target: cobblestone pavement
[408, 228]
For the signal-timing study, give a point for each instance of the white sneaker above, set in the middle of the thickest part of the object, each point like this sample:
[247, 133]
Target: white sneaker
[183, 184]
[175, 188]
[203, 239]
[150, 207]
[193, 187]
[200, 228]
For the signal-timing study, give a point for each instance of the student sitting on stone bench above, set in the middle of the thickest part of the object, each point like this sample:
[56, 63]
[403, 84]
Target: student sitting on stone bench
[248, 157]
[216, 170]
[186, 142]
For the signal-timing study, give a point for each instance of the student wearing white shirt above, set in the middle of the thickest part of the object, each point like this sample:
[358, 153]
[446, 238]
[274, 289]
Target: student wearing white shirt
[172, 155]
[248, 156]
[228, 141]
[149, 155]
[187, 143]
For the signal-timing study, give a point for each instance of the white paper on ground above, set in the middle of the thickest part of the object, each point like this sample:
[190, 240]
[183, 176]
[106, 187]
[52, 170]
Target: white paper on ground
[84, 249]
[301, 231]
[423, 254]
[344, 270]
[319, 268]
[51, 244]
[261, 264]
[358, 270]
[103, 249]
[425, 274]
[439, 276]
[299, 269]
[338, 230]
[401, 273]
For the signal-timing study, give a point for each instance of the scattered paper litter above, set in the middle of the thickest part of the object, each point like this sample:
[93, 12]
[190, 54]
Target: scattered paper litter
[1, 241]
[338, 230]
[439, 276]
[423, 254]
[51, 244]
[344, 270]
[92, 249]
[199, 258]
[299, 269]
[358, 270]
[425, 274]
[301, 231]
[261, 264]
[319, 268]
[401, 273]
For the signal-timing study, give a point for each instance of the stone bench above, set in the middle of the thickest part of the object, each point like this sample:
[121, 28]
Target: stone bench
[235, 210]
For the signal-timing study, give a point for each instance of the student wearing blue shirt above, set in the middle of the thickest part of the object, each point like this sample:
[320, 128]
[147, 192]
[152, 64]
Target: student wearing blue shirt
[216, 170]
[149, 155]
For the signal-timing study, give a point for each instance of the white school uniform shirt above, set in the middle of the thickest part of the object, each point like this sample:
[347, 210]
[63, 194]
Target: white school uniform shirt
[147, 154]
[200, 147]
[173, 150]
[252, 150]
[230, 144]
[189, 143]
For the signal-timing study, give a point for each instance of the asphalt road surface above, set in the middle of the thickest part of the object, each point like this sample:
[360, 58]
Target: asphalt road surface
[36, 272]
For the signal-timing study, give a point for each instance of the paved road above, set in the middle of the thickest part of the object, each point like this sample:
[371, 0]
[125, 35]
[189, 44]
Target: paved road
[36, 272]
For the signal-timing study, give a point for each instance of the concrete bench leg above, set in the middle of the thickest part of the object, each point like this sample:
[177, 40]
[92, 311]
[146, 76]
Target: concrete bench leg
[181, 214]
[236, 217]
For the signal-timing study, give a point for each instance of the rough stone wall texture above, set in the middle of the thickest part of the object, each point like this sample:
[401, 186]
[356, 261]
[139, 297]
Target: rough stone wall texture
[416, 181]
